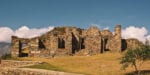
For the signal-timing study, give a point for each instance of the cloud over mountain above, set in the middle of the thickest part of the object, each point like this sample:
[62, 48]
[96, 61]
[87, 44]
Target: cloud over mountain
[23, 32]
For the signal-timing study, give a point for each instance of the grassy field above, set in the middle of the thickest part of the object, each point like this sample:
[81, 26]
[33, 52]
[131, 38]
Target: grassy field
[102, 64]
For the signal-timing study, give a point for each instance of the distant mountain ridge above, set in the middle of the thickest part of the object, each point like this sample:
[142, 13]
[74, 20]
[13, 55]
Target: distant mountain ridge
[4, 48]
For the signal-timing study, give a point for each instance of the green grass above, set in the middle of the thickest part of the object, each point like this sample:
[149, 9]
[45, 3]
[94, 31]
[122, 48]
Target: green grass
[8, 57]
[46, 66]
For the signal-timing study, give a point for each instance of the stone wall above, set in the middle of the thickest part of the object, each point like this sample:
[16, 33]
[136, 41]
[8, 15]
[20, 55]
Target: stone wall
[11, 67]
[115, 41]
[93, 41]
[27, 71]
[24, 47]
[133, 43]
[15, 46]
[70, 41]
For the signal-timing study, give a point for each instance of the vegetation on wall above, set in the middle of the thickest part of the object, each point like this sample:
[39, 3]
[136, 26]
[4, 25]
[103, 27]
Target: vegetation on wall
[59, 29]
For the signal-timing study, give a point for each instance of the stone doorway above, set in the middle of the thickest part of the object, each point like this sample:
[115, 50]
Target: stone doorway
[23, 49]
[104, 45]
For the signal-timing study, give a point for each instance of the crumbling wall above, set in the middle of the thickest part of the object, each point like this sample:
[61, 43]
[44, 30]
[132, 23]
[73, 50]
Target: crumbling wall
[68, 44]
[106, 37]
[62, 41]
[29, 71]
[115, 41]
[33, 47]
[71, 40]
[133, 43]
[93, 41]
[24, 47]
[14, 46]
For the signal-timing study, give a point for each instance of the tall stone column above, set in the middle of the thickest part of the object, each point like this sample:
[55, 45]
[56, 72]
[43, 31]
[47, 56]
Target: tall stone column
[68, 43]
[103, 45]
[118, 37]
[116, 40]
[14, 46]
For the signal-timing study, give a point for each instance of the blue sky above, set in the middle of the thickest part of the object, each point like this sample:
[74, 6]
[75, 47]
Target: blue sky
[80, 13]
[28, 18]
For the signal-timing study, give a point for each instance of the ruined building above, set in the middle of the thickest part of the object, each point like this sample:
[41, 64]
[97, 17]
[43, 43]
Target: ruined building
[72, 41]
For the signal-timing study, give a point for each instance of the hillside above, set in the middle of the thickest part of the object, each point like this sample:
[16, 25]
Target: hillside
[102, 64]
[4, 48]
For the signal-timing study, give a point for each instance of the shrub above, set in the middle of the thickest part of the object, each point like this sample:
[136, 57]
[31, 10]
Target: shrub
[6, 56]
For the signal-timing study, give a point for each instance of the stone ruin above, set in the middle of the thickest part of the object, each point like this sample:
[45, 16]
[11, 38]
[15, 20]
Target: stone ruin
[72, 41]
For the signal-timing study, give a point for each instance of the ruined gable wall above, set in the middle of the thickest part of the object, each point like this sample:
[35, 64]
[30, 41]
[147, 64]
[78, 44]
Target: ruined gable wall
[93, 41]
[106, 34]
[50, 44]
[73, 39]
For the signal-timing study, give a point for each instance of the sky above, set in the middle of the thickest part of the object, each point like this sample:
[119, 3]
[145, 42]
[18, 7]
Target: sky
[29, 18]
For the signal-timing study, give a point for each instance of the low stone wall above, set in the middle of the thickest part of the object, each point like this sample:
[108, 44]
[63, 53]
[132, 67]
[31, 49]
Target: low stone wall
[12, 67]
[13, 63]
[28, 71]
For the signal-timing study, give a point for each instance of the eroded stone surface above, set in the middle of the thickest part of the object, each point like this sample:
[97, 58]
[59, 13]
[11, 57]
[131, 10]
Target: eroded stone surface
[71, 41]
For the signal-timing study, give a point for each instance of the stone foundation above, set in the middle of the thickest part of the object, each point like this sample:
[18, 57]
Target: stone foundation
[11, 67]
[27, 71]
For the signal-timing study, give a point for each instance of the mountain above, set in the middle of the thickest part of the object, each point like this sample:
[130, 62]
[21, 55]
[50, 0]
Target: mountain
[4, 48]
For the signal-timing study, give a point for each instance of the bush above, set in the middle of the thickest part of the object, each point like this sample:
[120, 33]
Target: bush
[6, 56]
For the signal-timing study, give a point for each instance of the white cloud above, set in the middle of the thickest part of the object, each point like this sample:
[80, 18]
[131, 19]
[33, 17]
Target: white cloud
[140, 33]
[106, 28]
[22, 32]
[25, 32]
[5, 34]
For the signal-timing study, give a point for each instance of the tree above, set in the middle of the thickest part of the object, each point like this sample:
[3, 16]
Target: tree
[136, 58]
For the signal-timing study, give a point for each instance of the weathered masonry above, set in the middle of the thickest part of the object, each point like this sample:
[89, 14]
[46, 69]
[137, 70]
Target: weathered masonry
[72, 41]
